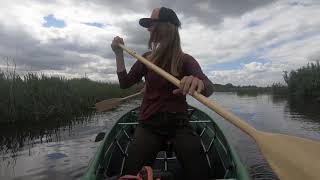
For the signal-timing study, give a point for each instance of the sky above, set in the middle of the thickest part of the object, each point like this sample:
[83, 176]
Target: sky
[243, 42]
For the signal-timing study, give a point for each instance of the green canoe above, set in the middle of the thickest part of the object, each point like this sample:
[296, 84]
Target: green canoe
[111, 154]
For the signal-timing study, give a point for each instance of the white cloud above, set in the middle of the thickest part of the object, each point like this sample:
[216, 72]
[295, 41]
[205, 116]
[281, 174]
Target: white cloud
[283, 33]
[254, 73]
[88, 44]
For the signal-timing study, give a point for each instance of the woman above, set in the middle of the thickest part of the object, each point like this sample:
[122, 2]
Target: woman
[163, 112]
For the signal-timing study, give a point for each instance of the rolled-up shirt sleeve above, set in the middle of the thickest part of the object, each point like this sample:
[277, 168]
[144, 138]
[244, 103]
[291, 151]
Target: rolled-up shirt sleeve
[192, 67]
[135, 75]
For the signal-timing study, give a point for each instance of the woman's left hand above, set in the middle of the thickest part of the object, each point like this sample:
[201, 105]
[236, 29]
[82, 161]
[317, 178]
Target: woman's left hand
[189, 84]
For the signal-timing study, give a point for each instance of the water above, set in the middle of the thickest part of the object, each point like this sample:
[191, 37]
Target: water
[66, 152]
[266, 113]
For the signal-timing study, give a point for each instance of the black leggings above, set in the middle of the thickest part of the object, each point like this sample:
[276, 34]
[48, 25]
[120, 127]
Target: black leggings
[152, 132]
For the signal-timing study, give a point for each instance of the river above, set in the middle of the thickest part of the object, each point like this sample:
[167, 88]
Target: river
[65, 152]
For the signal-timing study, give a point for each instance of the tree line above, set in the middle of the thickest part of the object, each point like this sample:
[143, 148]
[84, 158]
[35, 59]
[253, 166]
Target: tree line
[302, 83]
[35, 97]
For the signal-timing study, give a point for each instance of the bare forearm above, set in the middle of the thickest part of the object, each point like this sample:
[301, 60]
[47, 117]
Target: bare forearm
[120, 62]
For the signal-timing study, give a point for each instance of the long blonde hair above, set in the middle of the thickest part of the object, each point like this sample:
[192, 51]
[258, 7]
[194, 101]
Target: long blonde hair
[165, 47]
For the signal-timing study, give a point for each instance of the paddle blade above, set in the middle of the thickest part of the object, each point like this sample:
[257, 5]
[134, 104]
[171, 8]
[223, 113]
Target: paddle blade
[107, 105]
[292, 158]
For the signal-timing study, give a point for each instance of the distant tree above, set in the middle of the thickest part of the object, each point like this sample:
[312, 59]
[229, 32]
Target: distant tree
[229, 85]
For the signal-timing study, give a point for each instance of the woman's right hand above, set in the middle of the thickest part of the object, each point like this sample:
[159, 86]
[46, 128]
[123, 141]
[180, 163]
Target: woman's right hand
[115, 47]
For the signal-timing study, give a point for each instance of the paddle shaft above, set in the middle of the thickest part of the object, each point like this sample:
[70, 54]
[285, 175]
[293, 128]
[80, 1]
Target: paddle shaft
[114, 102]
[204, 100]
[131, 96]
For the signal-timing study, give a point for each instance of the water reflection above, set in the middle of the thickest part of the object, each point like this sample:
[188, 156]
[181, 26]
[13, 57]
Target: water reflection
[15, 136]
[308, 108]
[248, 94]
[62, 151]
[279, 99]
[268, 113]
[53, 151]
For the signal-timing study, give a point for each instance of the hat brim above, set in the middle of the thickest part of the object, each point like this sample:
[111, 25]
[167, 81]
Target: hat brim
[146, 22]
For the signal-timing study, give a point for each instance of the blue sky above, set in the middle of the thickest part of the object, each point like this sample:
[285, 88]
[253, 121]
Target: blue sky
[95, 24]
[51, 21]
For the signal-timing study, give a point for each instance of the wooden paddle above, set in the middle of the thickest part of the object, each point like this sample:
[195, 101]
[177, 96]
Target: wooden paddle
[109, 104]
[292, 158]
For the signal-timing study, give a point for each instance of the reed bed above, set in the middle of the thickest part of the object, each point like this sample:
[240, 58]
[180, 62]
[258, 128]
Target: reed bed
[34, 97]
[305, 81]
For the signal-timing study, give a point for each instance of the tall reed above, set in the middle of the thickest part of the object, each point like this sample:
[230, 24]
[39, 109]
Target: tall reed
[305, 81]
[33, 97]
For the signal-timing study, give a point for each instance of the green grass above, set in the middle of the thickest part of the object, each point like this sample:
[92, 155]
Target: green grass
[34, 98]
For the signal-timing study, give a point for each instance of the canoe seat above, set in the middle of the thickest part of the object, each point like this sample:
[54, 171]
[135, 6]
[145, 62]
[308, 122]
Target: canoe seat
[168, 148]
[166, 165]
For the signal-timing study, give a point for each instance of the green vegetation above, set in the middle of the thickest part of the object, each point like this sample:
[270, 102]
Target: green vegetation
[305, 81]
[279, 89]
[35, 98]
[301, 83]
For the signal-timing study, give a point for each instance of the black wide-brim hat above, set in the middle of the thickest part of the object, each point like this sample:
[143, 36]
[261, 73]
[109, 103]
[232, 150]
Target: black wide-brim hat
[165, 15]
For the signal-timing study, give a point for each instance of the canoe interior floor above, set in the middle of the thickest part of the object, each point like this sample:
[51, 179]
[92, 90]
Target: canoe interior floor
[166, 164]
[213, 142]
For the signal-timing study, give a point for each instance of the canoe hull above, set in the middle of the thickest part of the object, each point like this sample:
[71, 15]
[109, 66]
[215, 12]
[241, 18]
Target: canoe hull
[222, 158]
